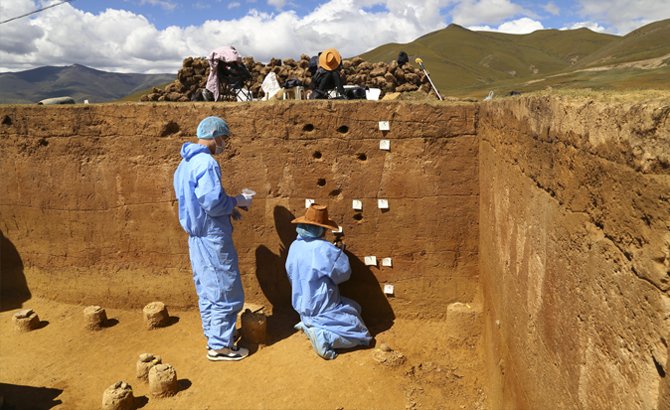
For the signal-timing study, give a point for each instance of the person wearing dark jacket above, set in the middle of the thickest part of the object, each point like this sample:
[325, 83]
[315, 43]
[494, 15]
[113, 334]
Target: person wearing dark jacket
[328, 75]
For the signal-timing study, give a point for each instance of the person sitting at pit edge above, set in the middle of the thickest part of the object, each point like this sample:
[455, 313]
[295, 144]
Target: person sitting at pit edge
[327, 76]
[315, 267]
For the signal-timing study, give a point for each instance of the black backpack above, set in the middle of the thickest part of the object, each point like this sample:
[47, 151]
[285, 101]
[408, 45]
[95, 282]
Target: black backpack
[357, 93]
[292, 82]
[402, 59]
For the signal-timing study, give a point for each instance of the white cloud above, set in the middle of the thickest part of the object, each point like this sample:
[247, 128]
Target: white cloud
[233, 5]
[165, 5]
[123, 41]
[552, 8]
[586, 24]
[624, 15]
[118, 40]
[470, 12]
[18, 36]
[278, 4]
[520, 26]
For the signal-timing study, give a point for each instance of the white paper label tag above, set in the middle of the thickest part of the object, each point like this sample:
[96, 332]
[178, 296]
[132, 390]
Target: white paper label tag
[308, 202]
[358, 205]
[338, 231]
[385, 144]
[383, 203]
[370, 261]
[384, 126]
[388, 289]
[387, 262]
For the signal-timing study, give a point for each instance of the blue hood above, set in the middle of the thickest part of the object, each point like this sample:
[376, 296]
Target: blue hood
[189, 150]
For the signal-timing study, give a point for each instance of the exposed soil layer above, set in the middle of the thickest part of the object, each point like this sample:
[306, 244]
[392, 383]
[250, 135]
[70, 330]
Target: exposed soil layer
[575, 251]
[89, 212]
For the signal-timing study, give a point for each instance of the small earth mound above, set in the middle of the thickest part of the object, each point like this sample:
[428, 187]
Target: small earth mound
[387, 356]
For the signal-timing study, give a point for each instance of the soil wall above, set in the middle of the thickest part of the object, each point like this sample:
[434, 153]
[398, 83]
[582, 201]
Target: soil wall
[88, 211]
[575, 252]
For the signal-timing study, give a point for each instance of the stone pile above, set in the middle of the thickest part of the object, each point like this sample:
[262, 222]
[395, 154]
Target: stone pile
[390, 78]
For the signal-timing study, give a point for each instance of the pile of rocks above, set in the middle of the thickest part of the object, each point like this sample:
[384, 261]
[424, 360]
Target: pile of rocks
[390, 78]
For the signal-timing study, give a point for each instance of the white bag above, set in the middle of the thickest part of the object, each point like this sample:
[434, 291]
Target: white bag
[270, 86]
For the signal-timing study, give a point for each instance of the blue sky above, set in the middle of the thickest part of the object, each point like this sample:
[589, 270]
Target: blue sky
[156, 35]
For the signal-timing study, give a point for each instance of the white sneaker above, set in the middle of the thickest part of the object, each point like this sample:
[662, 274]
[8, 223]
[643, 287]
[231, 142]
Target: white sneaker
[229, 354]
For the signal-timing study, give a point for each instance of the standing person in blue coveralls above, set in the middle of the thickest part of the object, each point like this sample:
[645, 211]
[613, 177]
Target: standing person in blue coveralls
[315, 267]
[205, 212]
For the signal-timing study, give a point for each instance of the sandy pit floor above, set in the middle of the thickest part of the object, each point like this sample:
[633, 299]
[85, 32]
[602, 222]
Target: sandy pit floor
[61, 365]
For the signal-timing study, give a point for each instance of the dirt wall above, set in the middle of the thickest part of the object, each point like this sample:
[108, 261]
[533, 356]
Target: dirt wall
[88, 212]
[575, 251]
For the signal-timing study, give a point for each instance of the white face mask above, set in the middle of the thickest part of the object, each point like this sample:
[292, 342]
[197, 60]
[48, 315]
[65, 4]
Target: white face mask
[220, 148]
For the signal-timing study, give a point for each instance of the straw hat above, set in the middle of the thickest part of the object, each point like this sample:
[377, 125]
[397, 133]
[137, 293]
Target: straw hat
[317, 215]
[330, 59]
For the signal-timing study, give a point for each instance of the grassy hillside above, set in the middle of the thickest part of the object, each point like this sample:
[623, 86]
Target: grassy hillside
[468, 63]
[647, 42]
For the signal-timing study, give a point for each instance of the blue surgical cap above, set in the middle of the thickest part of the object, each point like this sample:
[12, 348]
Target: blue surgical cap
[212, 127]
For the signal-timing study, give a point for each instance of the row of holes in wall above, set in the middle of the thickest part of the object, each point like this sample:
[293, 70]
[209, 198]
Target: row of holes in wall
[309, 128]
[319, 155]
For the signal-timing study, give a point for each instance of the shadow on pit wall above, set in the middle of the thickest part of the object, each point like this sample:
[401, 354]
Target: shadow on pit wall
[13, 286]
[363, 286]
[17, 396]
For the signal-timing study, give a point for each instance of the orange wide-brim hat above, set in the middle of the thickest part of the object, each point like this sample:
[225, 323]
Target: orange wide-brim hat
[330, 59]
[317, 215]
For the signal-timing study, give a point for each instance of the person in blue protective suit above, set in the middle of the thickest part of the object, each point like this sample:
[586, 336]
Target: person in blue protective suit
[315, 267]
[205, 212]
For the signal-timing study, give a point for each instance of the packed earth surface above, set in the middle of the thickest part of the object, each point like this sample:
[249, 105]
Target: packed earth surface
[62, 365]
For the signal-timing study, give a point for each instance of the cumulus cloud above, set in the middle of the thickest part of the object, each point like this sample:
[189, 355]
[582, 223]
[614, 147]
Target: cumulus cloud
[624, 16]
[586, 24]
[18, 36]
[233, 5]
[520, 26]
[552, 8]
[278, 4]
[469, 12]
[118, 40]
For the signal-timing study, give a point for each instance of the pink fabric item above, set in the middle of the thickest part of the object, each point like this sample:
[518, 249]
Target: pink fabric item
[227, 54]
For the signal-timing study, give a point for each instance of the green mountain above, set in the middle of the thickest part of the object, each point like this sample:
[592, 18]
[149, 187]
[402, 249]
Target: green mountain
[76, 81]
[462, 62]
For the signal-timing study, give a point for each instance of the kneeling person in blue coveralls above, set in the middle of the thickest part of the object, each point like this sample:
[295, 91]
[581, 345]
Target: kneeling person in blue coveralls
[315, 267]
[205, 212]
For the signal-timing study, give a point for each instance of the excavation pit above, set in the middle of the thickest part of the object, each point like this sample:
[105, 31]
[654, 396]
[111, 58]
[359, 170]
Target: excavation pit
[558, 240]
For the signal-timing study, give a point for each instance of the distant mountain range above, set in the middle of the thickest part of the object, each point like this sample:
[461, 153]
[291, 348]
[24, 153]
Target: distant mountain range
[76, 81]
[461, 62]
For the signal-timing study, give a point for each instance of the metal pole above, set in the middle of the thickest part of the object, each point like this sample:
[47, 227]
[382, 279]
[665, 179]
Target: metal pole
[420, 63]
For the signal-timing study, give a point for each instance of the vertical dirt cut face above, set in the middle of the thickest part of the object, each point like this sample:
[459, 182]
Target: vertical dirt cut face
[89, 211]
[575, 251]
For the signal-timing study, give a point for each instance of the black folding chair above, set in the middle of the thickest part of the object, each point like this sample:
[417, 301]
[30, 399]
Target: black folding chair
[234, 82]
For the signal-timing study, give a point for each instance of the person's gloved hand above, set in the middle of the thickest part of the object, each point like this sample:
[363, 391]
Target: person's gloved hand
[340, 244]
[244, 199]
[237, 215]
